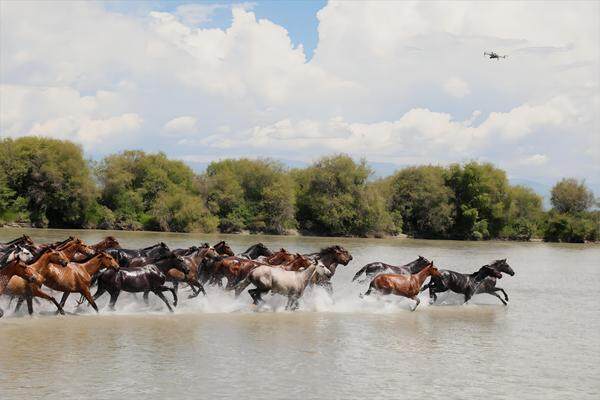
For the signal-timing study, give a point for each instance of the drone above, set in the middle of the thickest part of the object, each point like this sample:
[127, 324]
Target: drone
[493, 55]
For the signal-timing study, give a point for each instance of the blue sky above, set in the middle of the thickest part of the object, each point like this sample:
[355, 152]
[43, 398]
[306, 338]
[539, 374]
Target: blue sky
[395, 82]
[299, 17]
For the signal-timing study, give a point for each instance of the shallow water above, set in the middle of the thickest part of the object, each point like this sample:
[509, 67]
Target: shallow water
[545, 344]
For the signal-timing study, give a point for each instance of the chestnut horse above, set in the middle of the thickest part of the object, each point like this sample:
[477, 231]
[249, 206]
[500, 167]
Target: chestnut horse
[15, 268]
[376, 268]
[18, 286]
[108, 242]
[403, 285]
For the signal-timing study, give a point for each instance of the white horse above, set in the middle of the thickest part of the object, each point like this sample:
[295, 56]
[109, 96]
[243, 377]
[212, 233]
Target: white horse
[268, 278]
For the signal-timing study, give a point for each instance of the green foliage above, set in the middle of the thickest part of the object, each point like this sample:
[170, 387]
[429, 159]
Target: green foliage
[335, 199]
[481, 199]
[46, 181]
[419, 195]
[572, 228]
[150, 191]
[250, 194]
[571, 196]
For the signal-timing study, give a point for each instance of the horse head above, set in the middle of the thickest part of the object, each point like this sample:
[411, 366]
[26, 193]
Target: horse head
[502, 266]
[486, 271]
[340, 255]
[107, 261]
[111, 243]
[223, 248]
[432, 269]
[57, 257]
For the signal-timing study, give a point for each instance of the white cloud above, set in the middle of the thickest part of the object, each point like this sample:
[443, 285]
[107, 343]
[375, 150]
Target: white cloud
[456, 87]
[384, 82]
[181, 125]
[535, 160]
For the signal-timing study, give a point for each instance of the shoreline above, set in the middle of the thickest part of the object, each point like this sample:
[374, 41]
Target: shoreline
[400, 237]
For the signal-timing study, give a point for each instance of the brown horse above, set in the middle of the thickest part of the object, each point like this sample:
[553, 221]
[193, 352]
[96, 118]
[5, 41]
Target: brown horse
[75, 277]
[108, 242]
[15, 268]
[403, 285]
[76, 250]
[223, 248]
[280, 257]
[17, 286]
[193, 261]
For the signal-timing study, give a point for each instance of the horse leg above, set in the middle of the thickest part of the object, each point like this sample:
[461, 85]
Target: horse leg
[159, 293]
[37, 292]
[64, 298]
[19, 304]
[416, 298]
[499, 298]
[197, 284]
[255, 294]
[29, 303]
[85, 292]
[503, 292]
[146, 298]
[113, 299]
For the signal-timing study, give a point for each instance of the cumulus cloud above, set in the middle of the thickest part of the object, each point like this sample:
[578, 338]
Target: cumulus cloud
[456, 87]
[404, 82]
[180, 125]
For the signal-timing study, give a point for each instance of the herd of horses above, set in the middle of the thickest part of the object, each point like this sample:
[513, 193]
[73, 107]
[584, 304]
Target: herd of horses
[27, 269]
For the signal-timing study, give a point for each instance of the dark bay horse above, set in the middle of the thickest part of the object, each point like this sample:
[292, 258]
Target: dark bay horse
[403, 285]
[223, 248]
[255, 251]
[330, 257]
[375, 268]
[124, 256]
[149, 278]
[482, 281]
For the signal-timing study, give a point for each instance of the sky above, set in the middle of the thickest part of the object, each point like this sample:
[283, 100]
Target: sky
[397, 83]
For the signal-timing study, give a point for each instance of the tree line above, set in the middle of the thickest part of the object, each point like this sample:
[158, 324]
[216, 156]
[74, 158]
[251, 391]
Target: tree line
[48, 183]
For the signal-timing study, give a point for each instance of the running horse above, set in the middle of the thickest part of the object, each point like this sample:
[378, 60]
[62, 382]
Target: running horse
[291, 284]
[223, 248]
[375, 268]
[403, 285]
[149, 278]
[255, 251]
[17, 268]
[329, 257]
[482, 281]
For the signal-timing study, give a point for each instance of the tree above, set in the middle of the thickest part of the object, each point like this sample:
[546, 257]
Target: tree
[480, 199]
[151, 191]
[335, 199]
[250, 194]
[524, 213]
[571, 196]
[48, 178]
[420, 196]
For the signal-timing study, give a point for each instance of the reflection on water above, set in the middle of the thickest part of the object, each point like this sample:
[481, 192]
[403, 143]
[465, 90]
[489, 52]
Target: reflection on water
[545, 344]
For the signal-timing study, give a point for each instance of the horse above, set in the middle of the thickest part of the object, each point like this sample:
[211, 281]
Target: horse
[19, 286]
[149, 278]
[279, 257]
[109, 242]
[223, 248]
[233, 268]
[466, 284]
[330, 257]
[76, 250]
[17, 268]
[375, 268]
[456, 282]
[124, 256]
[292, 284]
[16, 251]
[21, 240]
[194, 262]
[255, 251]
[403, 285]
[75, 277]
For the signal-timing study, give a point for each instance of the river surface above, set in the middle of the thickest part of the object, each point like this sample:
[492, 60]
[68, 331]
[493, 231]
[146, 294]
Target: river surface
[544, 345]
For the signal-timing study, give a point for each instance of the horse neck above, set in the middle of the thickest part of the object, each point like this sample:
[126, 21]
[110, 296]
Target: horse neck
[70, 250]
[422, 275]
[92, 266]
[41, 262]
[307, 274]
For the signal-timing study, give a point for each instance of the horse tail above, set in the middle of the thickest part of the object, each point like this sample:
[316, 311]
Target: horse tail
[360, 272]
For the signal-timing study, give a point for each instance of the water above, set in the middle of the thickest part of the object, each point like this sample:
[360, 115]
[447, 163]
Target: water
[545, 344]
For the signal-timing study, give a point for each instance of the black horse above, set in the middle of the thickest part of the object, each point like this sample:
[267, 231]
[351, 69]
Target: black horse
[376, 268]
[149, 278]
[482, 281]
[124, 256]
[256, 251]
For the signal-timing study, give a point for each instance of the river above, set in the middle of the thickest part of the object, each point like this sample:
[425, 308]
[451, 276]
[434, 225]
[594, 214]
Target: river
[544, 345]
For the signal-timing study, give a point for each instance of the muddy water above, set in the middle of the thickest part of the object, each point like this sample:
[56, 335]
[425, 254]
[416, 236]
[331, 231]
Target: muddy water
[545, 344]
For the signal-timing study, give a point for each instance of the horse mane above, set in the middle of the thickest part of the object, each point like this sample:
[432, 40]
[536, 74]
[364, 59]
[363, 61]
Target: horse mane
[161, 244]
[37, 256]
